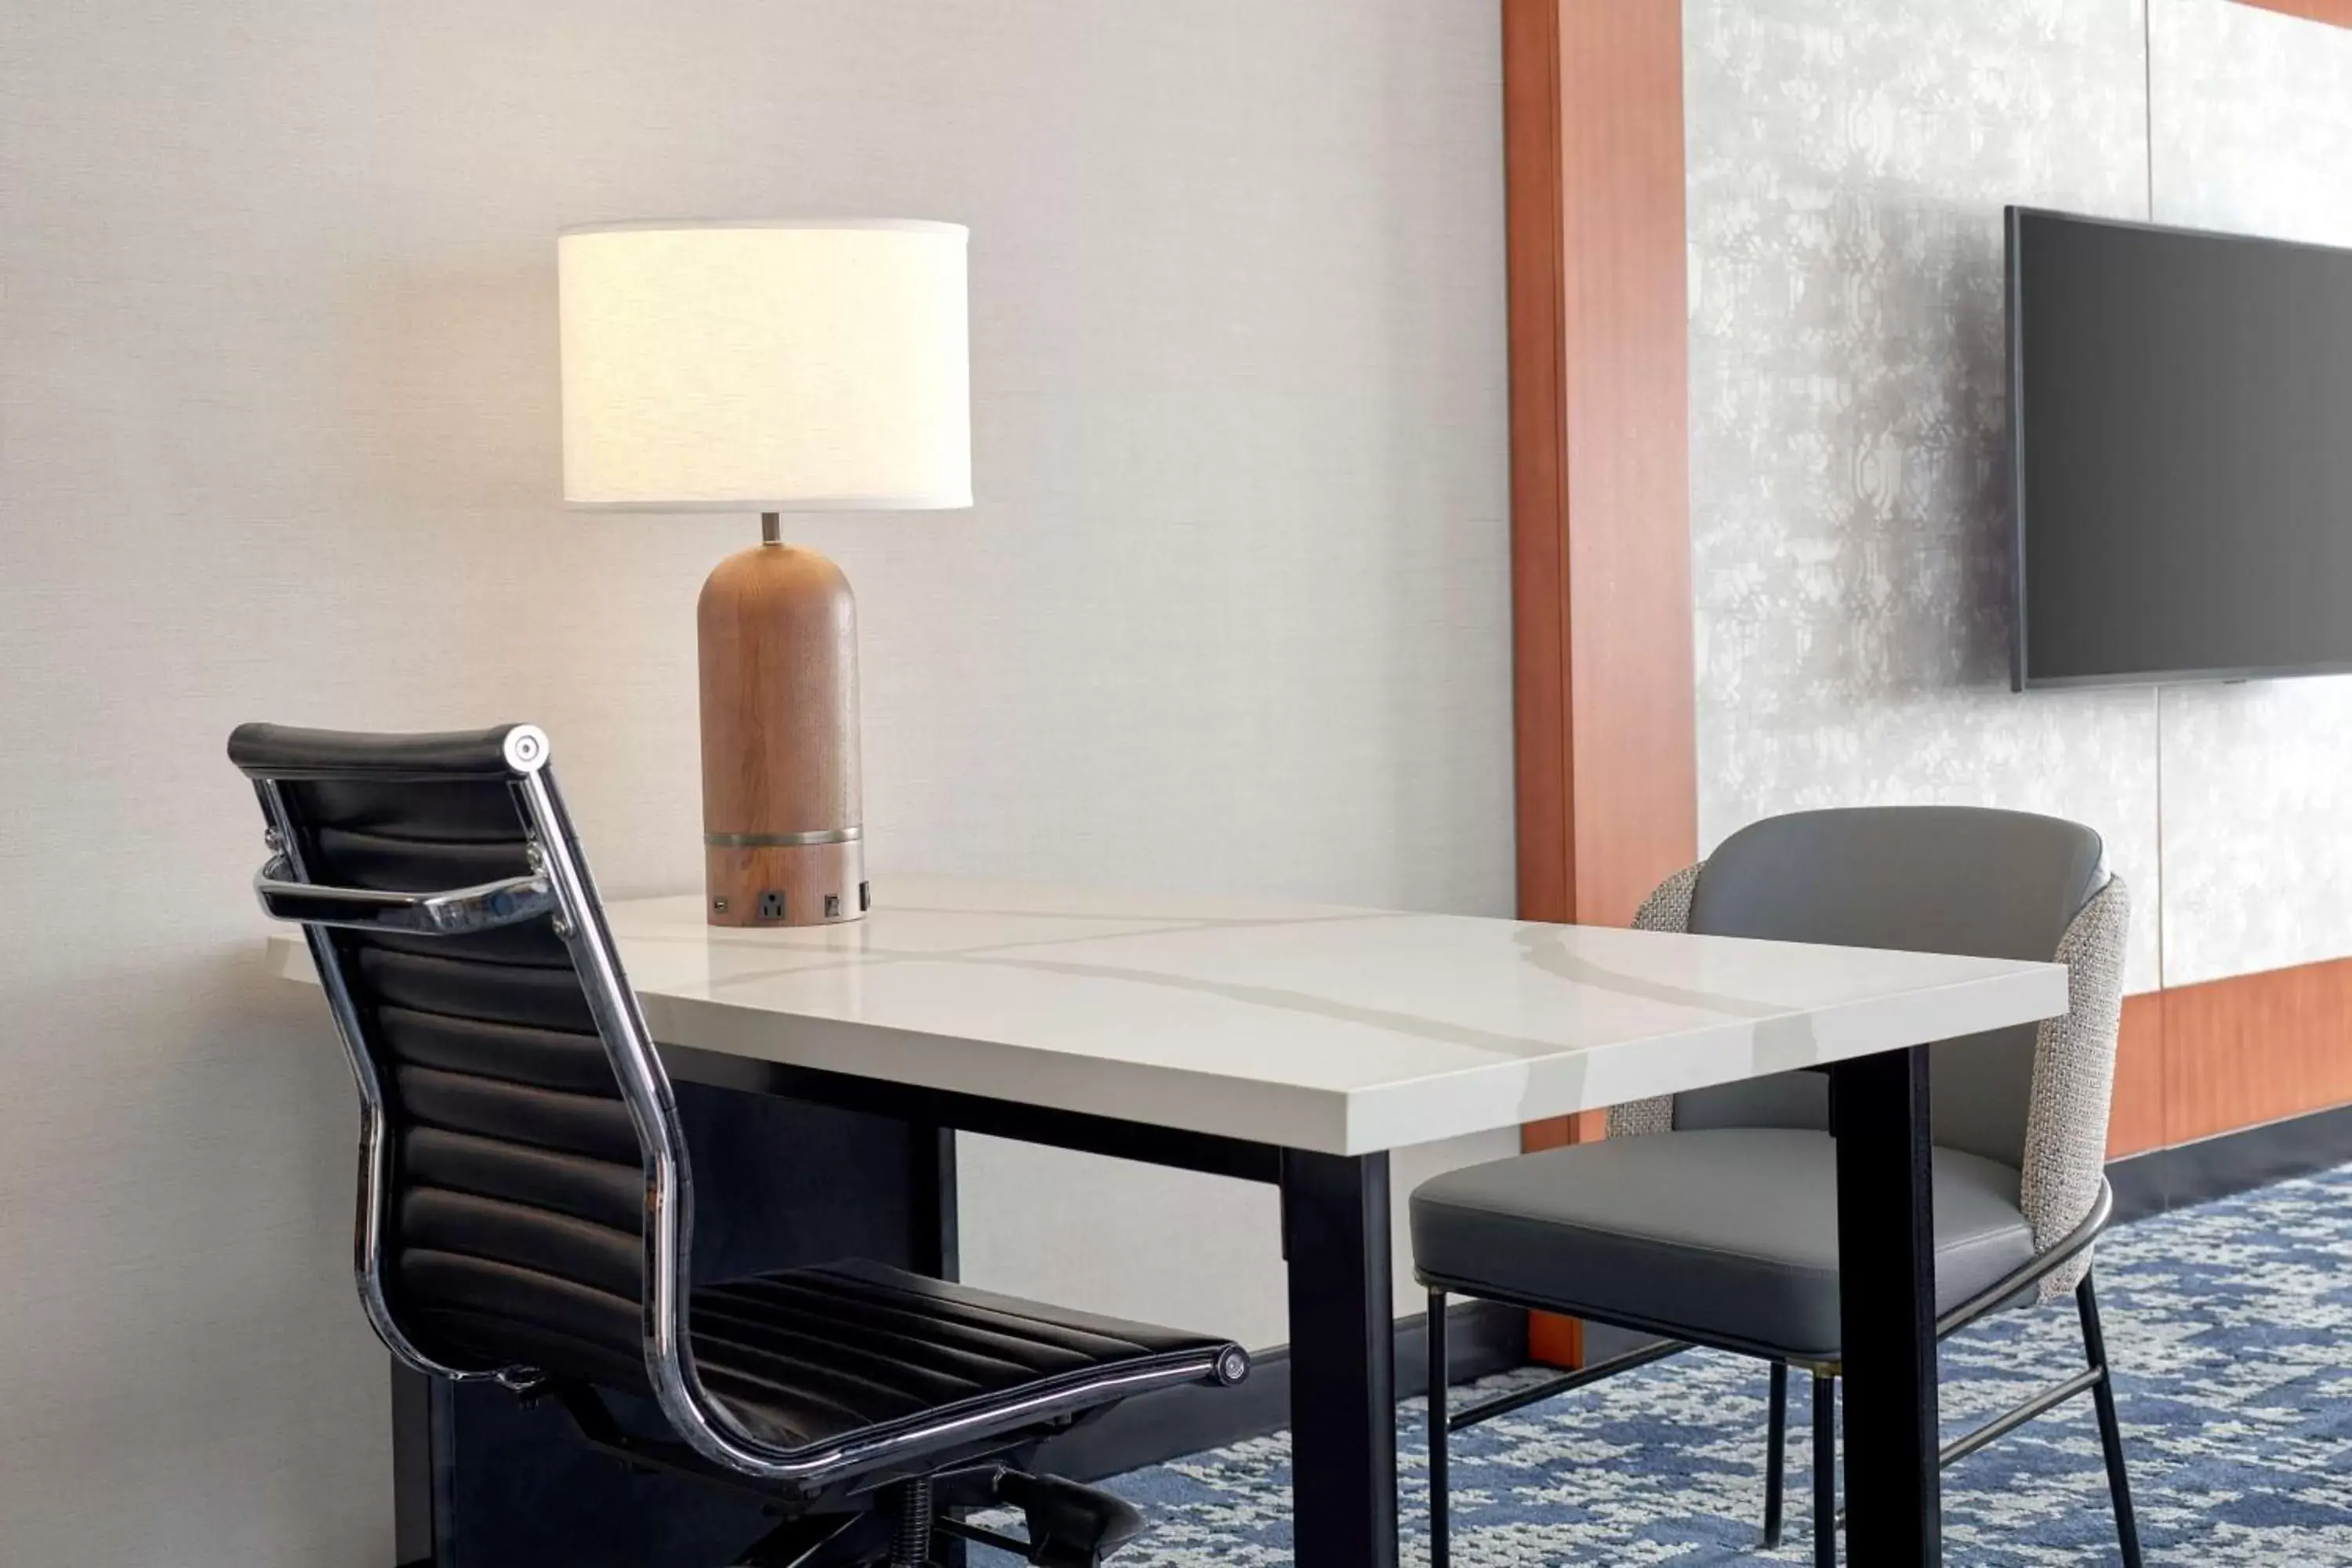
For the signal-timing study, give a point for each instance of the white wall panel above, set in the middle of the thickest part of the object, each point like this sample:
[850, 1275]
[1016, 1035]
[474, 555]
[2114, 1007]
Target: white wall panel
[277, 438]
[1850, 160]
[2253, 134]
[1849, 163]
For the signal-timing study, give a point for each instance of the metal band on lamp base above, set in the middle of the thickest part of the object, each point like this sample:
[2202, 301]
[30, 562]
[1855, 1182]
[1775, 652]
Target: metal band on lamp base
[782, 840]
[798, 885]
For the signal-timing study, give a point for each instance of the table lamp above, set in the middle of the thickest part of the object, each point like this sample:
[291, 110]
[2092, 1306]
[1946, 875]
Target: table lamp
[770, 367]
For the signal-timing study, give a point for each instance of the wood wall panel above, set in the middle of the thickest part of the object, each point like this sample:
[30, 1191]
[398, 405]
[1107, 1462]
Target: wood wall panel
[1633, 746]
[2136, 1120]
[2256, 1047]
[1600, 453]
[2337, 11]
[1539, 369]
[1606, 766]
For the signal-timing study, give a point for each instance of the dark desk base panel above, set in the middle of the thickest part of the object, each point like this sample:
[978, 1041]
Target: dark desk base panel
[484, 1481]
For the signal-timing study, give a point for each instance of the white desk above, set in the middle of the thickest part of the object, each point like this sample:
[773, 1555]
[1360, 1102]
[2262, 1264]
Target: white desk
[1297, 1044]
[1306, 1027]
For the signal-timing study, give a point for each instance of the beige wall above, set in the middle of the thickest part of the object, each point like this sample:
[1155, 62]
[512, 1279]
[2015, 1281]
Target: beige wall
[277, 437]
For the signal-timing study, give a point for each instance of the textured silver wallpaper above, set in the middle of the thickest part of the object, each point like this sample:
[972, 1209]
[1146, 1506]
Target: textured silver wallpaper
[1849, 162]
[2253, 133]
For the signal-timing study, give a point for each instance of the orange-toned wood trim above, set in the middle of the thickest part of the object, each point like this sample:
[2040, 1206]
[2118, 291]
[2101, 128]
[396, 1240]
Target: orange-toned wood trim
[2135, 1117]
[2197, 1060]
[1606, 764]
[1534, 237]
[2340, 12]
[2256, 1047]
[1632, 749]
[1585, 1127]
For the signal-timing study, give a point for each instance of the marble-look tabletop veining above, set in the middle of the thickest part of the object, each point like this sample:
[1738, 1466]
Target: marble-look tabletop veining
[1319, 1028]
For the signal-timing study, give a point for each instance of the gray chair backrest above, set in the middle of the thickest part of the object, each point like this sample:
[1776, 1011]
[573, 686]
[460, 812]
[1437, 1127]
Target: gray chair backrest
[1933, 879]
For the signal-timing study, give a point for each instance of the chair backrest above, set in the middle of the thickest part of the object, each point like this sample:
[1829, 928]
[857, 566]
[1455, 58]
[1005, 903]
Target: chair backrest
[506, 1185]
[1958, 879]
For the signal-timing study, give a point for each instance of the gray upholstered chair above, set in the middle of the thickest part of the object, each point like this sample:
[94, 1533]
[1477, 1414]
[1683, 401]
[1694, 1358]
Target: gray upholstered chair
[1711, 1219]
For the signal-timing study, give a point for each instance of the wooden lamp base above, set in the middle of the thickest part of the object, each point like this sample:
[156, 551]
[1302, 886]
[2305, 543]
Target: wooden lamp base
[782, 824]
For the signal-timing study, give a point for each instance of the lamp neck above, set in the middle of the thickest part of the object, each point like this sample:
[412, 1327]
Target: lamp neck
[772, 528]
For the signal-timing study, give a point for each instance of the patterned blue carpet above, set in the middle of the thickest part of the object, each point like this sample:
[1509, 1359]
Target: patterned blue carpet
[2230, 1327]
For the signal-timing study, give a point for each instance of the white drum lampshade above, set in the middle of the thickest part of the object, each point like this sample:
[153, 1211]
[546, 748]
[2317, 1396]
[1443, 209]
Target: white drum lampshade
[770, 367]
[765, 366]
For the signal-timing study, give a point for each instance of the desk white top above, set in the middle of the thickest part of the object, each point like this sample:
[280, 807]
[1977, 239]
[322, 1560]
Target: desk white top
[1340, 1030]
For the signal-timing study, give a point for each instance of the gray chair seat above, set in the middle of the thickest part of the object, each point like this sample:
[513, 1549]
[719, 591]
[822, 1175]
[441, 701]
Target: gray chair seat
[1727, 1235]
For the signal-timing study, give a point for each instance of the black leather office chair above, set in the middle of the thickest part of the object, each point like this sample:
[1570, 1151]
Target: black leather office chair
[526, 1205]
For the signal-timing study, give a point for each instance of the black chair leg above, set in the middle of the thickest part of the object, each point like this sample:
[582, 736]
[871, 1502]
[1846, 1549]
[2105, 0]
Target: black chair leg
[2111, 1433]
[1825, 1470]
[1775, 1453]
[1438, 1523]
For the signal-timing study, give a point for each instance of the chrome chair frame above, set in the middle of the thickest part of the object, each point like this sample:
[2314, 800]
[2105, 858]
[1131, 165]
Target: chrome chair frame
[2096, 1379]
[559, 884]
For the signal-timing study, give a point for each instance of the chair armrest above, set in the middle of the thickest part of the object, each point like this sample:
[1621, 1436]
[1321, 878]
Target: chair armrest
[484, 907]
[2103, 1209]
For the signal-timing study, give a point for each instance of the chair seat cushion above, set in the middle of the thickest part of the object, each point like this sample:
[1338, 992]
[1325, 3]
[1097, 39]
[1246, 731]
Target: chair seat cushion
[1727, 1235]
[810, 1355]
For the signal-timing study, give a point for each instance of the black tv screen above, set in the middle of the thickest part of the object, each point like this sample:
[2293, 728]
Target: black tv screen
[2181, 433]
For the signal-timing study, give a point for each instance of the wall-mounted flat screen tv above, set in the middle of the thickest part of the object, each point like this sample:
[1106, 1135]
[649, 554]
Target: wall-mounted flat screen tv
[2180, 443]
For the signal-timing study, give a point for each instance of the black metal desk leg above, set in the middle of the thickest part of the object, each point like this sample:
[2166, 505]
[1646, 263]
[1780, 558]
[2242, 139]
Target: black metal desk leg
[1887, 1309]
[937, 1241]
[1335, 1218]
[418, 1515]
